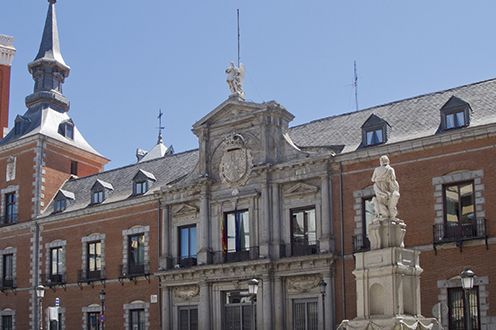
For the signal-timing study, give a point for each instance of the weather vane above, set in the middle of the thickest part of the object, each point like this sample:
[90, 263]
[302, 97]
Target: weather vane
[160, 127]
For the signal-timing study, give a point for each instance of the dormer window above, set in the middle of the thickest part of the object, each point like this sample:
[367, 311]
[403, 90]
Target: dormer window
[140, 187]
[455, 114]
[60, 205]
[100, 191]
[67, 129]
[61, 200]
[374, 131]
[97, 197]
[375, 137]
[142, 182]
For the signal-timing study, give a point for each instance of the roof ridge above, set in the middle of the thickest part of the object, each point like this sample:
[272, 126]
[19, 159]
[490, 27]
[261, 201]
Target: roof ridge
[395, 102]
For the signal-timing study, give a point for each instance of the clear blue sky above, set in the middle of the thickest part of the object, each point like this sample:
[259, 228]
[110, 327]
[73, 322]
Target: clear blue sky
[130, 58]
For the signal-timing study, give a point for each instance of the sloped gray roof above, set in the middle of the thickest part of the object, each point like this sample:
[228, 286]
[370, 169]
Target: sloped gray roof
[409, 119]
[165, 170]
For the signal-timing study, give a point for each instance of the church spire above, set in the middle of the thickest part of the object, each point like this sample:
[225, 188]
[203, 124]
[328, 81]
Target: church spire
[48, 68]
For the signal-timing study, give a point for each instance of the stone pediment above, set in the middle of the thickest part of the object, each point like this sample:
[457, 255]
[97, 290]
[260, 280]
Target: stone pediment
[185, 209]
[300, 188]
[231, 109]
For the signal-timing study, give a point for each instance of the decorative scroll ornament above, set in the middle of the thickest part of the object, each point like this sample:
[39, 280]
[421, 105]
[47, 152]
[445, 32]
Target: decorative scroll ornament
[303, 283]
[186, 292]
[236, 162]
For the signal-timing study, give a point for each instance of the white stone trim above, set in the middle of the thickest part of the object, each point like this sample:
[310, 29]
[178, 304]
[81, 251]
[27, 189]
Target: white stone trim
[440, 181]
[48, 247]
[7, 50]
[13, 251]
[84, 244]
[487, 322]
[9, 312]
[134, 231]
[136, 305]
[358, 196]
[89, 309]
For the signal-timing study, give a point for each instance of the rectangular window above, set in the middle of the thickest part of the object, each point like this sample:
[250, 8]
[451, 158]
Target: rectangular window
[74, 167]
[236, 237]
[56, 264]
[187, 245]
[7, 323]
[188, 318]
[137, 319]
[238, 310]
[456, 311]
[375, 137]
[303, 231]
[455, 120]
[459, 211]
[93, 321]
[97, 197]
[361, 241]
[305, 315]
[140, 187]
[10, 208]
[136, 254]
[7, 271]
[94, 259]
[59, 205]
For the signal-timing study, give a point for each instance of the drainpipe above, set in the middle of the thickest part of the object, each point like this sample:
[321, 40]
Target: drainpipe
[341, 221]
[159, 247]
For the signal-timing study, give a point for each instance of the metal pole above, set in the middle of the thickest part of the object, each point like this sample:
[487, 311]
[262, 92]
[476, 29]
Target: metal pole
[323, 311]
[41, 313]
[466, 309]
[102, 319]
[253, 313]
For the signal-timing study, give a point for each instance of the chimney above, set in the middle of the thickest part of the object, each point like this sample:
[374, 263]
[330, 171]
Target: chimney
[7, 52]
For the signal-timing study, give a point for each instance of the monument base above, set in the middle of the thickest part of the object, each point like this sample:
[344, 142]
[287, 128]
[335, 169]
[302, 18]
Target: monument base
[399, 322]
[384, 233]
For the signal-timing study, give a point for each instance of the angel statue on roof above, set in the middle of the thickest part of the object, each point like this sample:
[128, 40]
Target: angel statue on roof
[235, 76]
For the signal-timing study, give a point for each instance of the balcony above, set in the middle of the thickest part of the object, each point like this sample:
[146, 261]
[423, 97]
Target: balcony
[298, 249]
[9, 219]
[133, 271]
[86, 276]
[361, 243]
[7, 284]
[459, 232]
[221, 257]
[52, 280]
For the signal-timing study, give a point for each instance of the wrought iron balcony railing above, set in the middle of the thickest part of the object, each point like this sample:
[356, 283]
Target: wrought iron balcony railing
[250, 253]
[87, 276]
[459, 232]
[361, 243]
[51, 280]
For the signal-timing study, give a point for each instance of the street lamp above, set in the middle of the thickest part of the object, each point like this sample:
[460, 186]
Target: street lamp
[252, 290]
[323, 285]
[467, 277]
[102, 303]
[40, 293]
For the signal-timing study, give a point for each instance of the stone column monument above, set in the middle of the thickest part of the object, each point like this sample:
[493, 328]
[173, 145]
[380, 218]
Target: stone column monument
[387, 276]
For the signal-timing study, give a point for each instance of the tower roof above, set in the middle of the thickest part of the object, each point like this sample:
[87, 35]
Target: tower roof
[50, 46]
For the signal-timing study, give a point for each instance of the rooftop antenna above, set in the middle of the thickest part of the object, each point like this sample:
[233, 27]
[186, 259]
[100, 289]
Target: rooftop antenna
[239, 38]
[355, 84]
[160, 127]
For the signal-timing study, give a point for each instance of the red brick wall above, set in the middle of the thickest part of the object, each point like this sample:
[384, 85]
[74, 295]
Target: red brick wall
[4, 97]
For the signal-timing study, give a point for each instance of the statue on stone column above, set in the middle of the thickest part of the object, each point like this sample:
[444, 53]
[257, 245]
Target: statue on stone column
[235, 78]
[387, 190]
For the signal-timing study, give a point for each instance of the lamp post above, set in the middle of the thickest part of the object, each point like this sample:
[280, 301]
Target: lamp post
[252, 290]
[467, 277]
[102, 303]
[323, 285]
[40, 293]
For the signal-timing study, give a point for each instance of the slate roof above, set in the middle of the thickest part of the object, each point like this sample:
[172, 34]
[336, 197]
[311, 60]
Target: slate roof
[409, 119]
[165, 170]
[46, 122]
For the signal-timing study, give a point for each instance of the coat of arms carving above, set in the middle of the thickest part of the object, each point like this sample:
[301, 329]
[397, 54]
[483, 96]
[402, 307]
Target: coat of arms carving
[236, 161]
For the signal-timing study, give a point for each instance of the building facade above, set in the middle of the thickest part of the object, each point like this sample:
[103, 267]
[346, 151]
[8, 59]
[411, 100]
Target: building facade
[174, 240]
